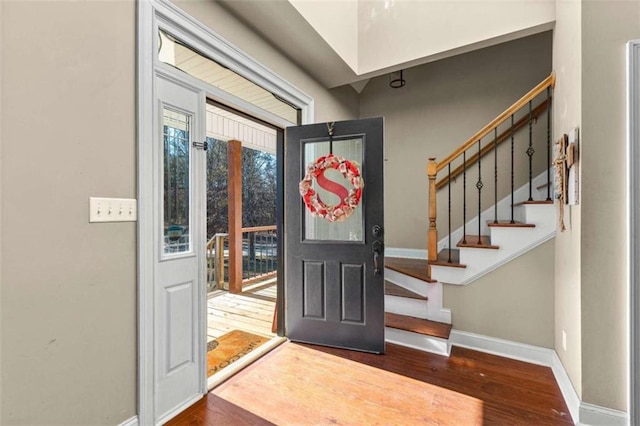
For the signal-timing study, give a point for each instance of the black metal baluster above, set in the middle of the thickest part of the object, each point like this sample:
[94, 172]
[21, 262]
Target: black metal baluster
[263, 264]
[464, 197]
[271, 252]
[512, 221]
[548, 144]
[495, 175]
[449, 187]
[479, 185]
[530, 152]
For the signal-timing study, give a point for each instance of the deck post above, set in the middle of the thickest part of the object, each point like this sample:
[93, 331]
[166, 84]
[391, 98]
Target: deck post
[234, 153]
[432, 236]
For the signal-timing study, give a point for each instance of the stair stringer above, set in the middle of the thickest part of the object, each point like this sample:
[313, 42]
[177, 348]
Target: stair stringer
[433, 309]
[513, 242]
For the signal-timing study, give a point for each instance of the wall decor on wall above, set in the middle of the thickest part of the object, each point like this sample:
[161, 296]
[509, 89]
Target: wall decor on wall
[560, 176]
[573, 174]
[566, 173]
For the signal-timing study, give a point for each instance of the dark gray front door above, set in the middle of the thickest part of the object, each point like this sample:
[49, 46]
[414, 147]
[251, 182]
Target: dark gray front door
[334, 284]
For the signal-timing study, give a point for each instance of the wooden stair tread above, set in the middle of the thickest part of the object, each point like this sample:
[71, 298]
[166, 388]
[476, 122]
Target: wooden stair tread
[508, 224]
[534, 202]
[443, 259]
[391, 289]
[418, 325]
[472, 241]
[416, 268]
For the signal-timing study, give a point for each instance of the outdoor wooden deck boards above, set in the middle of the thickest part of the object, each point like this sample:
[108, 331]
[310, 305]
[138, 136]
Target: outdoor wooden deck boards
[250, 311]
[304, 384]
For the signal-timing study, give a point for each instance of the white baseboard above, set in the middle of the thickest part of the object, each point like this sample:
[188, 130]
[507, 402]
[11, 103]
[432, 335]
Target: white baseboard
[569, 393]
[405, 252]
[133, 421]
[594, 415]
[505, 348]
[582, 413]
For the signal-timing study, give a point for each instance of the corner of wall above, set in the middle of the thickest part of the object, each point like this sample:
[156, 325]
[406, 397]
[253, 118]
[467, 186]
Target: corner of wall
[567, 114]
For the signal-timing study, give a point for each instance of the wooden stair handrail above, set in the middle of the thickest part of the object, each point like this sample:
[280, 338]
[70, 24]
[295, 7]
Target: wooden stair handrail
[489, 147]
[543, 85]
[433, 167]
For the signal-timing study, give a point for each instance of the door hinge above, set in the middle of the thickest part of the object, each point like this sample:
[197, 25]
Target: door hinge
[204, 145]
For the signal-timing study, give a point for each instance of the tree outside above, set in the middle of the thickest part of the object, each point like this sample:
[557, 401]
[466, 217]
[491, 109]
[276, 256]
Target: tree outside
[258, 188]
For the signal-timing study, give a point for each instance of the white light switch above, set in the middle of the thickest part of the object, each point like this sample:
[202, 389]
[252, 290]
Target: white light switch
[113, 209]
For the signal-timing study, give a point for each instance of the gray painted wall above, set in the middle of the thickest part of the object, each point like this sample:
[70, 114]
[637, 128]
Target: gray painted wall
[604, 229]
[521, 290]
[68, 287]
[567, 114]
[591, 260]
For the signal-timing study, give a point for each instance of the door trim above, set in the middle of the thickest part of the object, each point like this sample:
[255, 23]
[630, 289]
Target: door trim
[150, 15]
[633, 179]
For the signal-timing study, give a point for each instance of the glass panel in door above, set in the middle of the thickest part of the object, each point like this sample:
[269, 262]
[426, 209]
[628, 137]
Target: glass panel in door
[176, 128]
[318, 228]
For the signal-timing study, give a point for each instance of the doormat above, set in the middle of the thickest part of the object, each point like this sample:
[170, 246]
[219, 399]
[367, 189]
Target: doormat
[230, 348]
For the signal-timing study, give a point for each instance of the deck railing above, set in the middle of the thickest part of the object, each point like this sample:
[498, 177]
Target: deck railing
[259, 257]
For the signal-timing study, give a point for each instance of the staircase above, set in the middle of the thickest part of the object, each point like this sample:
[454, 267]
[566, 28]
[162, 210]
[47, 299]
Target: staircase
[511, 226]
[413, 303]
[472, 257]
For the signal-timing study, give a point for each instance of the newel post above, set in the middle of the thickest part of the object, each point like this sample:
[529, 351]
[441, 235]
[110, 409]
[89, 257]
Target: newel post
[432, 236]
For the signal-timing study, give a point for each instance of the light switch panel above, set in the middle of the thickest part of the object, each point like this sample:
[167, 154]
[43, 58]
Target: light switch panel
[113, 209]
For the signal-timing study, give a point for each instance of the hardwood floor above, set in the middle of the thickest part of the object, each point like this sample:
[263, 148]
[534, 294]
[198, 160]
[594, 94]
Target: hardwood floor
[303, 384]
[252, 310]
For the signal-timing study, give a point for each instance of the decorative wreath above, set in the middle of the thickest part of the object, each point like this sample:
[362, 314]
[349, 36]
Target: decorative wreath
[349, 198]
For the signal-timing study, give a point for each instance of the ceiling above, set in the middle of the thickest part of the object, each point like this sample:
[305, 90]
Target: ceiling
[391, 34]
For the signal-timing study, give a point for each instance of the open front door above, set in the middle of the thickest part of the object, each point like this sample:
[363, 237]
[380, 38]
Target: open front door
[334, 248]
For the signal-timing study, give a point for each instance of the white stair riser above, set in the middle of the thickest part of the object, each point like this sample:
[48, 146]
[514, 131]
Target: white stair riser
[538, 213]
[406, 306]
[513, 238]
[421, 342]
[433, 291]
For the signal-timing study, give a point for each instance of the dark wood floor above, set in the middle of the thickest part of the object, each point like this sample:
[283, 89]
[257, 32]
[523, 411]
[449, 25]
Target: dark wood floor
[302, 384]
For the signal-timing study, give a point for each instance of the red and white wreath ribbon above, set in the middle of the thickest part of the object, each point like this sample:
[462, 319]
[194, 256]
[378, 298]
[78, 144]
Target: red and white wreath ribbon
[349, 198]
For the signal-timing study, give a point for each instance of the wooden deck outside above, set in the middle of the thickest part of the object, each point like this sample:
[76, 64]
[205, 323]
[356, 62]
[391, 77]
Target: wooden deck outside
[251, 311]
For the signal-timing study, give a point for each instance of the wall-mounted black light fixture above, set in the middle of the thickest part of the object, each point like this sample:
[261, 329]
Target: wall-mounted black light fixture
[396, 80]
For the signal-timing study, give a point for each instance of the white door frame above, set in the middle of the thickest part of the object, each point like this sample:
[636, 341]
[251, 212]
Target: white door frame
[154, 14]
[633, 123]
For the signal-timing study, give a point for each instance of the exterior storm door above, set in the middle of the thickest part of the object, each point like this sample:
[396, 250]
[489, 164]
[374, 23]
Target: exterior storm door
[334, 258]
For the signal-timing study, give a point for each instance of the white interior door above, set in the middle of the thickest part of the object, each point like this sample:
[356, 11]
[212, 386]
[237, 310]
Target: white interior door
[179, 286]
